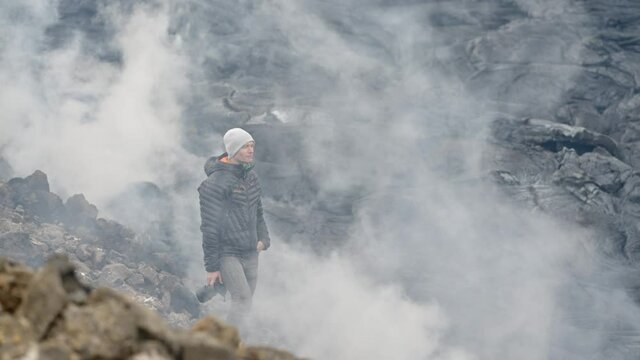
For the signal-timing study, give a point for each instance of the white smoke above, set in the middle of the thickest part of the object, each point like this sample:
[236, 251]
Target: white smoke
[437, 266]
[94, 126]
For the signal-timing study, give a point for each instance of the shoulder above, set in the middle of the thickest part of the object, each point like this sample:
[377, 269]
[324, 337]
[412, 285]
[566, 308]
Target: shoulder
[218, 181]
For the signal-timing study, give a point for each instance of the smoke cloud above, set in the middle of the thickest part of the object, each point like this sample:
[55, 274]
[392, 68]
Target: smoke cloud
[437, 264]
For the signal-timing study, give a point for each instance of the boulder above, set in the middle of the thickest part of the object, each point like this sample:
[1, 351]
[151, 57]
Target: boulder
[14, 280]
[48, 293]
[80, 211]
[32, 193]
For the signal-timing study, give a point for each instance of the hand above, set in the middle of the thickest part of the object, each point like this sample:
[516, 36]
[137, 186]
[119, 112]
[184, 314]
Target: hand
[260, 246]
[213, 276]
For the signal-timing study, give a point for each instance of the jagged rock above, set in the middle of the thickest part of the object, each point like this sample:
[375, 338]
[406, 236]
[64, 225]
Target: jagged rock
[49, 291]
[115, 235]
[553, 136]
[585, 115]
[14, 279]
[80, 211]
[100, 330]
[607, 172]
[53, 322]
[45, 296]
[37, 181]
[32, 193]
[150, 274]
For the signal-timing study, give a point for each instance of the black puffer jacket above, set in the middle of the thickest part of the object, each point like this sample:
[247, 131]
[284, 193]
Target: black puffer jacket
[231, 211]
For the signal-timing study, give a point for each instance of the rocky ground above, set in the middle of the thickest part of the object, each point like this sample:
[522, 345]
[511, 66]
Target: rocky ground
[560, 80]
[53, 314]
[35, 224]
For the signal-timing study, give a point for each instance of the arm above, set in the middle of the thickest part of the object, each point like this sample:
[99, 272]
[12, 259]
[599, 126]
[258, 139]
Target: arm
[212, 201]
[263, 232]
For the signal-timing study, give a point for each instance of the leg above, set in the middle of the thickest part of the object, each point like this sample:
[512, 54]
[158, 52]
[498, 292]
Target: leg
[235, 281]
[250, 265]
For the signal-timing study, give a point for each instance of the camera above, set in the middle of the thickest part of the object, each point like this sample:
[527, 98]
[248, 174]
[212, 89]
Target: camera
[206, 292]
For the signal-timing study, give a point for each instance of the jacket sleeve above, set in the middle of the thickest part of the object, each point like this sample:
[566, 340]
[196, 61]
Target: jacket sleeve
[212, 200]
[263, 232]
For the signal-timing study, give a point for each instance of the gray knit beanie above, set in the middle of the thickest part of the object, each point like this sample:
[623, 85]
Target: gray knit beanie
[234, 140]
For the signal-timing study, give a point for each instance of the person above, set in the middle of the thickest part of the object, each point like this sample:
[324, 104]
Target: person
[233, 228]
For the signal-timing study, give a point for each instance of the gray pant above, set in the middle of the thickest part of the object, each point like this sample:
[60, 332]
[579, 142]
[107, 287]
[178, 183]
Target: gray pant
[240, 276]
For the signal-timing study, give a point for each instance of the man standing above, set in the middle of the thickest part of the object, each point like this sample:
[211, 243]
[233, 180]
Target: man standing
[233, 226]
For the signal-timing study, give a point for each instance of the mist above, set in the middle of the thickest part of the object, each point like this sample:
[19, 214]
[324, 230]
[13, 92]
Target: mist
[437, 263]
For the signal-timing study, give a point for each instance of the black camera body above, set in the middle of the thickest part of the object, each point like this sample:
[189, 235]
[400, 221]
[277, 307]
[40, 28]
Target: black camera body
[206, 292]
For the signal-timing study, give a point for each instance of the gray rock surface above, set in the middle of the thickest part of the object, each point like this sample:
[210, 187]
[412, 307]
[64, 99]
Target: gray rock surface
[104, 251]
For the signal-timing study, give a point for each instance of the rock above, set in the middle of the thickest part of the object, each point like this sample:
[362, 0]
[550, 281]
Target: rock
[32, 193]
[135, 280]
[607, 172]
[115, 235]
[103, 329]
[16, 337]
[55, 351]
[150, 274]
[45, 297]
[631, 189]
[183, 299]
[553, 136]
[37, 181]
[14, 280]
[584, 115]
[152, 350]
[198, 346]
[53, 235]
[266, 353]
[114, 275]
[219, 330]
[80, 211]
[116, 257]
[20, 246]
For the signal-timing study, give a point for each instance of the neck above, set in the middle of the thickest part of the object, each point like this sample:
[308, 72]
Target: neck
[235, 161]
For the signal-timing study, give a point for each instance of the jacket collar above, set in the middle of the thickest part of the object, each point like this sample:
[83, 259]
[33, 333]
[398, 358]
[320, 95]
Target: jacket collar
[221, 163]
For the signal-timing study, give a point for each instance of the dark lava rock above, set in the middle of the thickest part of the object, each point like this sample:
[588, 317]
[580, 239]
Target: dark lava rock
[80, 211]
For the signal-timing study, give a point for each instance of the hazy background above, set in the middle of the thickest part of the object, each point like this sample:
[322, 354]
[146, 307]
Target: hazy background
[389, 110]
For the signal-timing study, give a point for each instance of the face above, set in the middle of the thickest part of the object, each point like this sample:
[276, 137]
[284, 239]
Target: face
[245, 154]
